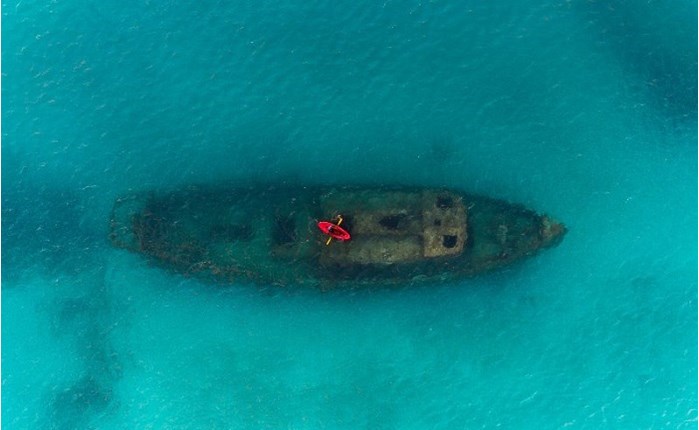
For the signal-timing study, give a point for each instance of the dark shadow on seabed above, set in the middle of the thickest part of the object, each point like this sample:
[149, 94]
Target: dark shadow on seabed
[45, 234]
[661, 56]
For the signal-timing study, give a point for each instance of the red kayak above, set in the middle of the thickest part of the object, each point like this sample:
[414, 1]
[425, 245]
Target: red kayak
[333, 230]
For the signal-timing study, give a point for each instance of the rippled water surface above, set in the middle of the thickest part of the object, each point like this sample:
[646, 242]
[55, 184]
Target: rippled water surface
[584, 110]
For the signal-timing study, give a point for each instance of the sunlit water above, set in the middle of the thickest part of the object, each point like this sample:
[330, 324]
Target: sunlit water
[583, 110]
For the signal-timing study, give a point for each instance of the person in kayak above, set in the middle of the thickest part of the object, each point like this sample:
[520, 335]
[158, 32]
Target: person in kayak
[334, 230]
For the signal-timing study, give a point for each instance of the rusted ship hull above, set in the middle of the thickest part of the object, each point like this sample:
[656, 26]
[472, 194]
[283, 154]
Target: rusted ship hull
[268, 235]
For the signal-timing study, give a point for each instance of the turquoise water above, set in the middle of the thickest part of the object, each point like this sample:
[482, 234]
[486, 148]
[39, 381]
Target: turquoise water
[584, 110]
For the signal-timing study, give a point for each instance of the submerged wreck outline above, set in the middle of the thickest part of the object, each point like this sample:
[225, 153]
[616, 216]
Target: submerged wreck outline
[269, 235]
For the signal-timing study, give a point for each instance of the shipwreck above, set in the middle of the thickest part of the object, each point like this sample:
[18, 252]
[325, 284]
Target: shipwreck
[328, 236]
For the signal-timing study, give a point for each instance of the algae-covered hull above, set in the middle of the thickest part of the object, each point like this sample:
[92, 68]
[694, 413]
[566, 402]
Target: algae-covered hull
[269, 235]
